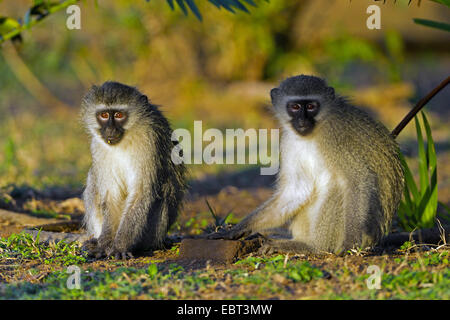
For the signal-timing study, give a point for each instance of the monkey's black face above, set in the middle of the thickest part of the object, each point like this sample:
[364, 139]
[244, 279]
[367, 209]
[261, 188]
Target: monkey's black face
[111, 125]
[302, 113]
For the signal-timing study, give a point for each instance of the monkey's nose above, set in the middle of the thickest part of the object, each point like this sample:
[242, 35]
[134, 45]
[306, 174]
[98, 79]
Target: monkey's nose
[302, 122]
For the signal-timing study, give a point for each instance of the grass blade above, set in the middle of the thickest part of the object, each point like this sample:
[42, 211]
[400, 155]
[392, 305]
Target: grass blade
[433, 24]
[446, 2]
[409, 179]
[170, 2]
[432, 163]
[194, 9]
[418, 208]
[239, 5]
[182, 6]
[423, 167]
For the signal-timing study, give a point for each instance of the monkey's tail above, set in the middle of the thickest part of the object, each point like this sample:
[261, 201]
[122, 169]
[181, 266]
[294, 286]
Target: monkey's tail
[418, 107]
[432, 236]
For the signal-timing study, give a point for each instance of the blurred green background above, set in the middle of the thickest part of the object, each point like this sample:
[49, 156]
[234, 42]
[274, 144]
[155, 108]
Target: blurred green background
[219, 71]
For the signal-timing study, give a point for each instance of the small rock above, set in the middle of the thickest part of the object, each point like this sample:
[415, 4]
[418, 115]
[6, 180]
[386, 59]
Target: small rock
[217, 251]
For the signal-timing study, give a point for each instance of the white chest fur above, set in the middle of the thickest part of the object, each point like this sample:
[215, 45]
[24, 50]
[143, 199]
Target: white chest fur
[119, 169]
[303, 174]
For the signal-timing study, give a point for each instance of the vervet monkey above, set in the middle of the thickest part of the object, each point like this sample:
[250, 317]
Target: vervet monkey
[340, 179]
[133, 190]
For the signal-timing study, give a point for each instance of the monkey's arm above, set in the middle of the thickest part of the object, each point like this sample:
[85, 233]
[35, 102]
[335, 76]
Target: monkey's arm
[133, 222]
[99, 247]
[97, 220]
[272, 214]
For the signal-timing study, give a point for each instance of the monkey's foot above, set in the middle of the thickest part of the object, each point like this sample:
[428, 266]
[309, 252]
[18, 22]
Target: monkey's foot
[94, 249]
[119, 254]
[271, 246]
[268, 248]
[89, 245]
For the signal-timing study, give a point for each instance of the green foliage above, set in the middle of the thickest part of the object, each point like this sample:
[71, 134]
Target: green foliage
[446, 2]
[48, 214]
[346, 49]
[230, 5]
[218, 221]
[11, 28]
[341, 53]
[419, 207]
[406, 246]
[295, 271]
[10, 161]
[431, 259]
[418, 284]
[24, 246]
[435, 24]
[122, 283]
[395, 49]
[421, 275]
[152, 270]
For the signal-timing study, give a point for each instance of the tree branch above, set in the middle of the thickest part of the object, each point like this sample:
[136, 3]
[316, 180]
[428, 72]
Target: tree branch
[418, 107]
[29, 25]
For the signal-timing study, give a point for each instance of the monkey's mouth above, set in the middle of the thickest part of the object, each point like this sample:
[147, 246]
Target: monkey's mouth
[112, 140]
[111, 136]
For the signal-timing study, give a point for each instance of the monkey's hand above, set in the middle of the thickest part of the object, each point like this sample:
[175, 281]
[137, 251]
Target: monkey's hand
[89, 245]
[98, 248]
[236, 232]
[118, 252]
[269, 247]
[93, 248]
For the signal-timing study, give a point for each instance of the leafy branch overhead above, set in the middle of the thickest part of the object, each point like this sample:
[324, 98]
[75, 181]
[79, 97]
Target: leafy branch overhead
[435, 24]
[230, 5]
[11, 28]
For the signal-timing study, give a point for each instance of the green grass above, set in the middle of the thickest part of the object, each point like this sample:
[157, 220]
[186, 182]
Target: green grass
[295, 271]
[22, 246]
[418, 209]
[157, 282]
[123, 283]
[428, 259]
[412, 275]
[414, 281]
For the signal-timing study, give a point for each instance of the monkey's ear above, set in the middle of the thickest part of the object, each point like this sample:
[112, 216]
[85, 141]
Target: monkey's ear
[143, 99]
[330, 92]
[274, 94]
[94, 88]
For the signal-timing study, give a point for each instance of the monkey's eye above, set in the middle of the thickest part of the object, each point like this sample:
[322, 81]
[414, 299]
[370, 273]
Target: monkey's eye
[295, 107]
[311, 106]
[104, 115]
[118, 115]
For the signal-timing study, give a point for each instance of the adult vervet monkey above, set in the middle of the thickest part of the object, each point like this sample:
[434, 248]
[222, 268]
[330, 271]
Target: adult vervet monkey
[340, 179]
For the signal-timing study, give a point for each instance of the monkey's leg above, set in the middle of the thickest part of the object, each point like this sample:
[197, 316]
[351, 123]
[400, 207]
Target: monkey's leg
[93, 218]
[275, 245]
[99, 247]
[132, 223]
[154, 236]
[96, 221]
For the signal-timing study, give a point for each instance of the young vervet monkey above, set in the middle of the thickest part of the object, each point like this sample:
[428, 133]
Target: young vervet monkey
[134, 190]
[340, 179]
